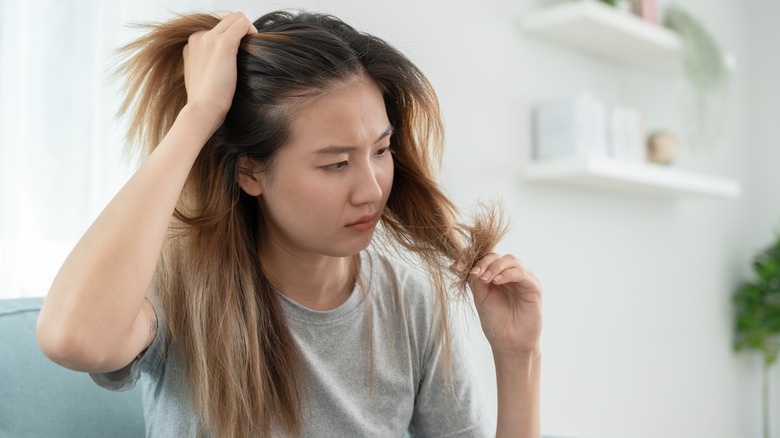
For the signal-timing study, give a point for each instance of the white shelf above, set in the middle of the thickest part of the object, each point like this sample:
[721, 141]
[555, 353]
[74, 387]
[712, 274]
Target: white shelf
[603, 30]
[627, 177]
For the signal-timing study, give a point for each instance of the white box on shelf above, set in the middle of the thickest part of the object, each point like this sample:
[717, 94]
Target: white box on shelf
[626, 139]
[570, 127]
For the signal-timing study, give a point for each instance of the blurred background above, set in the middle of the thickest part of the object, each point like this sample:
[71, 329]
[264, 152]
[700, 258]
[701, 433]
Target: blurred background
[638, 262]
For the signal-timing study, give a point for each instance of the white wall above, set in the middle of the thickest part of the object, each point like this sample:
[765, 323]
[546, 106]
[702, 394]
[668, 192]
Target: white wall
[638, 328]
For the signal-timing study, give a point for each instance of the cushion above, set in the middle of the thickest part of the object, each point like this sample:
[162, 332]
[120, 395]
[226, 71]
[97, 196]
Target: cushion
[39, 398]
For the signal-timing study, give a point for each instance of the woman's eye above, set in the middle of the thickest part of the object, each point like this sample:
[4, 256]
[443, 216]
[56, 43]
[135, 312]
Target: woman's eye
[336, 166]
[383, 151]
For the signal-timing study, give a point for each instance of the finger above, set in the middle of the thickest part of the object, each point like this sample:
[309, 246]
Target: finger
[195, 37]
[479, 290]
[481, 266]
[498, 266]
[227, 21]
[515, 274]
[239, 29]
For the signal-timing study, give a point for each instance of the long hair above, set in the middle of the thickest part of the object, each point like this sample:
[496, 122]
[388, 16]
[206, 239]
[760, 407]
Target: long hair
[241, 360]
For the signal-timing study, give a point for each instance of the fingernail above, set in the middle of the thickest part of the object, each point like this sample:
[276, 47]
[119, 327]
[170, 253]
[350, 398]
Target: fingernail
[486, 275]
[475, 271]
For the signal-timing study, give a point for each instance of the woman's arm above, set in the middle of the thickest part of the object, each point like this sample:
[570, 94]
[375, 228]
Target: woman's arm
[95, 317]
[517, 380]
[509, 303]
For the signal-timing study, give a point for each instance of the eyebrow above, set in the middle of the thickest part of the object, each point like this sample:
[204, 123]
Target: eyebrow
[336, 150]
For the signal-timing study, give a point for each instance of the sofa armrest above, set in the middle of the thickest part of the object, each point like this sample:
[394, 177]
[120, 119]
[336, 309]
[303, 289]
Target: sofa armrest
[40, 398]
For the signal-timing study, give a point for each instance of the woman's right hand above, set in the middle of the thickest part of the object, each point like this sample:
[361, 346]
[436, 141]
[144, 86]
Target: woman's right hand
[210, 65]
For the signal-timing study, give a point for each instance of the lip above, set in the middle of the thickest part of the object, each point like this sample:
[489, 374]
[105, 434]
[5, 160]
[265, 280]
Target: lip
[364, 223]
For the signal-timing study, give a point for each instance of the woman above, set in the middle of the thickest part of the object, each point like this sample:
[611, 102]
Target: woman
[266, 305]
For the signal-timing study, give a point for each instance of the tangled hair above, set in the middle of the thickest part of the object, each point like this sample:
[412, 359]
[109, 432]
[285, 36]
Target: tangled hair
[241, 360]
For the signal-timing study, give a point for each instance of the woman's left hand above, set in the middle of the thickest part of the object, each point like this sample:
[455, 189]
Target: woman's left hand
[509, 303]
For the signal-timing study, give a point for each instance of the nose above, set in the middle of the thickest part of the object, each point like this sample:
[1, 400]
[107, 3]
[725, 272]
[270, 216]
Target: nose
[367, 187]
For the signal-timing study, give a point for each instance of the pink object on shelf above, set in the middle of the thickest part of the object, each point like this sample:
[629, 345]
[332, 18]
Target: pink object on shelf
[648, 10]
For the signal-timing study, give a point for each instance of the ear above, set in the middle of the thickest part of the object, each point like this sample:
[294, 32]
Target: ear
[249, 177]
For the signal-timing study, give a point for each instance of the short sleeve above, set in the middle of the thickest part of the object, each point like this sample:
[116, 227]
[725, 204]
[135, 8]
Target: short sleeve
[150, 360]
[448, 410]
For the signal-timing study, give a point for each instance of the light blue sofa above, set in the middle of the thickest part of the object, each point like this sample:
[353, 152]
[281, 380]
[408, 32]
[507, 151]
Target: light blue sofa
[40, 399]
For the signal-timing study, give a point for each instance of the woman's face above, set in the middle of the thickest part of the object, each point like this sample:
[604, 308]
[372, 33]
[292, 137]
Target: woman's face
[329, 183]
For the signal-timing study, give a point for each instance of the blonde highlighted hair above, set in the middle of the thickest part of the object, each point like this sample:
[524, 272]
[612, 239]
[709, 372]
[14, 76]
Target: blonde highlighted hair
[241, 360]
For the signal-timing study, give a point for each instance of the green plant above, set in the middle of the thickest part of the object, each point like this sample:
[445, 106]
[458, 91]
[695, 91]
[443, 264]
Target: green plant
[758, 315]
[758, 307]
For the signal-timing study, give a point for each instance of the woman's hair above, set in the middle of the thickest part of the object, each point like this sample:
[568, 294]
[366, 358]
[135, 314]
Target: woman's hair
[241, 361]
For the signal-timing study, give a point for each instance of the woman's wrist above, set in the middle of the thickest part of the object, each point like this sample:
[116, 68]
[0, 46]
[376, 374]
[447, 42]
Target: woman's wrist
[201, 118]
[513, 359]
[191, 130]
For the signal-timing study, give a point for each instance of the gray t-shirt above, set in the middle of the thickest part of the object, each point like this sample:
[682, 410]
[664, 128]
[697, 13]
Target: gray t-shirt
[408, 391]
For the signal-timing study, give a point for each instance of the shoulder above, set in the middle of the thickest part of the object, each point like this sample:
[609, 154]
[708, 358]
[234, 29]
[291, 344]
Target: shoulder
[389, 274]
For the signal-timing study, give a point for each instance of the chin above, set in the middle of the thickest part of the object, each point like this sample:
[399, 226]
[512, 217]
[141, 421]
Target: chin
[347, 249]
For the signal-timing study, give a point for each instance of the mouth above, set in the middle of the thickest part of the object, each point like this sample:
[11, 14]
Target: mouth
[364, 223]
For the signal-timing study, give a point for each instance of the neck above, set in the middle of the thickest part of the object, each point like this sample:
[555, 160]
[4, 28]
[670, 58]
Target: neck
[314, 281]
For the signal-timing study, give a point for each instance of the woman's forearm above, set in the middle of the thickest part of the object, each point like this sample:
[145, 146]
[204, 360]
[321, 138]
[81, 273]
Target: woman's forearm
[518, 379]
[99, 291]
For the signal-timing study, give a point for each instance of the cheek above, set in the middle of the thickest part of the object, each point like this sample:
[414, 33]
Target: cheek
[388, 171]
[317, 198]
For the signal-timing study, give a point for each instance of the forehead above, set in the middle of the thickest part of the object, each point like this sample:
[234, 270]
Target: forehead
[352, 113]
